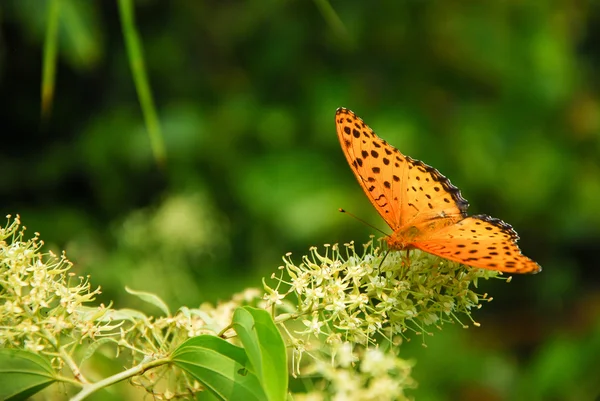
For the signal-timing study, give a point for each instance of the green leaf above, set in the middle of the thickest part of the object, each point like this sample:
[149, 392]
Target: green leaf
[133, 44]
[22, 374]
[93, 347]
[81, 33]
[151, 299]
[333, 19]
[50, 57]
[123, 314]
[265, 349]
[220, 367]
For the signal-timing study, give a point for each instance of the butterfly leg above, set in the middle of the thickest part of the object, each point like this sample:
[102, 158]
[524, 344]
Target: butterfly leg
[381, 263]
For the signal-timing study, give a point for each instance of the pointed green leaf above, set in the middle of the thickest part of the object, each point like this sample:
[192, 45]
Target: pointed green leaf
[220, 367]
[265, 349]
[50, 57]
[151, 299]
[93, 347]
[135, 52]
[123, 314]
[81, 32]
[22, 374]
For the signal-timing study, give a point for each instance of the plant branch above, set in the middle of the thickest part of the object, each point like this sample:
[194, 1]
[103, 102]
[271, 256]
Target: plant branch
[134, 371]
[73, 366]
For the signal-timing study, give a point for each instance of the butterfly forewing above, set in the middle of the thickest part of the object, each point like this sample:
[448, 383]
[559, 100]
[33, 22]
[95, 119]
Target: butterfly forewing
[366, 154]
[431, 195]
[403, 190]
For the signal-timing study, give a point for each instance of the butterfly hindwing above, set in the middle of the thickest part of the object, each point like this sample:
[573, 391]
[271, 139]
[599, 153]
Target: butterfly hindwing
[479, 241]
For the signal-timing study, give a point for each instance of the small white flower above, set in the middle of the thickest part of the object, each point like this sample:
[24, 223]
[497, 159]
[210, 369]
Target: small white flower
[337, 287]
[356, 271]
[314, 325]
[376, 284]
[374, 323]
[346, 385]
[34, 345]
[357, 300]
[344, 355]
[384, 388]
[323, 274]
[11, 308]
[300, 283]
[314, 295]
[430, 318]
[274, 297]
[377, 363]
[336, 306]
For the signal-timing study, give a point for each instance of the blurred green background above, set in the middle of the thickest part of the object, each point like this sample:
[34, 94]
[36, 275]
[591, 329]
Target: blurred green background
[500, 96]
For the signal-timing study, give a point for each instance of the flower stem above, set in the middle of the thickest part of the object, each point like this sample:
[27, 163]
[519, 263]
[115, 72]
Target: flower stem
[134, 371]
[73, 366]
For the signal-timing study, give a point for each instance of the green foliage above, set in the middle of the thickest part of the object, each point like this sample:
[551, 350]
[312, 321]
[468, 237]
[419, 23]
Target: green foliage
[222, 368]
[258, 371]
[22, 374]
[265, 349]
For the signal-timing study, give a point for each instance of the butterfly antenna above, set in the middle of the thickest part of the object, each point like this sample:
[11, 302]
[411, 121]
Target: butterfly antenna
[362, 221]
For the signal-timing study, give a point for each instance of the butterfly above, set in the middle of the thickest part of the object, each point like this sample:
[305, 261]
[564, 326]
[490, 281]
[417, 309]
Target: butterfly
[421, 206]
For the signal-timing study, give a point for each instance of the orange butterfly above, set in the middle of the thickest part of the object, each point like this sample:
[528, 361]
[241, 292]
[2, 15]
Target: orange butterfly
[422, 207]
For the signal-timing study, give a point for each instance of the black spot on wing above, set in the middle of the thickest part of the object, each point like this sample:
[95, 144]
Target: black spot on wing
[445, 183]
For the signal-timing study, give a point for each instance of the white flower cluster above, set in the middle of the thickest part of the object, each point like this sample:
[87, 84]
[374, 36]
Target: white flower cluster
[360, 374]
[40, 298]
[358, 299]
